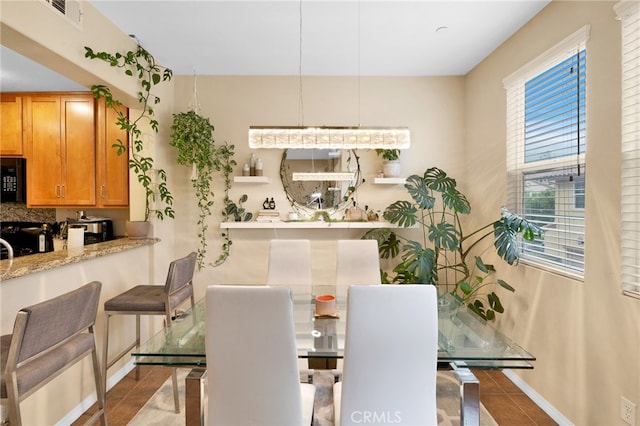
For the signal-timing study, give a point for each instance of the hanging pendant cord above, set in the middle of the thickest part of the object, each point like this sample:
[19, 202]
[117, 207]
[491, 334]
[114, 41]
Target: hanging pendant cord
[578, 113]
[359, 73]
[301, 97]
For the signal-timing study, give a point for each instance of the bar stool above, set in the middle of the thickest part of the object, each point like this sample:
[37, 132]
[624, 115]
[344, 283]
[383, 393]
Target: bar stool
[152, 300]
[47, 339]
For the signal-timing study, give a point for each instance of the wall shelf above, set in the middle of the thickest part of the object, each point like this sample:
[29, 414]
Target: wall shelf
[389, 181]
[306, 225]
[251, 179]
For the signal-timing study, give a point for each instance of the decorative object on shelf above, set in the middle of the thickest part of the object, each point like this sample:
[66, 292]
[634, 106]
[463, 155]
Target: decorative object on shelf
[192, 136]
[390, 163]
[268, 215]
[445, 250]
[269, 204]
[329, 137]
[259, 167]
[371, 215]
[237, 211]
[354, 214]
[246, 170]
[252, 164]
[142, 66]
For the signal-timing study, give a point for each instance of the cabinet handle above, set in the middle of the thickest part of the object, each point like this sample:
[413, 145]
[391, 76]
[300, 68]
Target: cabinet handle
[57, 191]
[102, 195]
[62, 191]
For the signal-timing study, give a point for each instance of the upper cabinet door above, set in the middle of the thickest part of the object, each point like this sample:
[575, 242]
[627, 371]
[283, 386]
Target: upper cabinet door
[79, 155]
[112, 169]
[60, 150]
[11, 130]
[44, 150]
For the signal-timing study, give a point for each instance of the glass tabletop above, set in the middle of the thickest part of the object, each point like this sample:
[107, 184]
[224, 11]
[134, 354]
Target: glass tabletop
[465, 339]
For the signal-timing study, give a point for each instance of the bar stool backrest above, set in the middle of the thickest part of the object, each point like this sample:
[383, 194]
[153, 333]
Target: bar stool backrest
[47, 338]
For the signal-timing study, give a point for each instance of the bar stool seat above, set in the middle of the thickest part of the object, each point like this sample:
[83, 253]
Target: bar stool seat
[152, 300]
[148, 299]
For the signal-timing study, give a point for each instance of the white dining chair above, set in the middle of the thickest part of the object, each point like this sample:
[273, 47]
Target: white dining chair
[357, 263]
[289, 263]
[253, 376]
[390, 356]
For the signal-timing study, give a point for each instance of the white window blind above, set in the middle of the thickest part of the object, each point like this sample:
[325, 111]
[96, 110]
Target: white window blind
[629, 13]
[546, 144]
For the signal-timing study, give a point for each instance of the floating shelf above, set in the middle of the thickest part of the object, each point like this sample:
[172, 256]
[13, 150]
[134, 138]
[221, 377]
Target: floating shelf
[251, 179]
[306, 225]
[389, 181]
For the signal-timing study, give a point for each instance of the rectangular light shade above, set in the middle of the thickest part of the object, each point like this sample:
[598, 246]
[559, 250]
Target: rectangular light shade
[324, 176]
[329, 137]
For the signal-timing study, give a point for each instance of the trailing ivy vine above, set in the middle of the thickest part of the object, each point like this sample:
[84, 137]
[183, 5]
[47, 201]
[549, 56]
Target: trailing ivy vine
[141, 65]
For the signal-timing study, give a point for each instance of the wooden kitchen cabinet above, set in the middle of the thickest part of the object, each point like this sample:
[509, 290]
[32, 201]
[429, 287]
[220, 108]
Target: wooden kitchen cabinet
[60, 148]
[11, 131]
[112, 169]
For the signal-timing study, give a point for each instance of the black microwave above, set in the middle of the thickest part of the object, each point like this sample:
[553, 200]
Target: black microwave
[13, 175]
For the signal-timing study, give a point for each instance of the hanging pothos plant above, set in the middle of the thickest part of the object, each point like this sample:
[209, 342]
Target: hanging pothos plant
[192, 136]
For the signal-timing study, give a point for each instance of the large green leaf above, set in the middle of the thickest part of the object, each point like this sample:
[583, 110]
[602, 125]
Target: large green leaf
[417, 188]
[494, 302]
[444, 235]
[456, 201]
[388, 243]
[505, 285]
[437, 180]
[402, 213]
[505, 241]
[420, 262]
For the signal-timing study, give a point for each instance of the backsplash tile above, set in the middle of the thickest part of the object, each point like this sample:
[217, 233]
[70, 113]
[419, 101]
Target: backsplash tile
[18, 212]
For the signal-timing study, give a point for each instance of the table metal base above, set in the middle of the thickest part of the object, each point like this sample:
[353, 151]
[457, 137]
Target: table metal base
[469, 397]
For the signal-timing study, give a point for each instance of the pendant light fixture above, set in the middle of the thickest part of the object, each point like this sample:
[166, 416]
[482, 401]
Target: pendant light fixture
[326, 137]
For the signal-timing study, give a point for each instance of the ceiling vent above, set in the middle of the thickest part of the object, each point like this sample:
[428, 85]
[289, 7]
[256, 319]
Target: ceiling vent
[70, 9]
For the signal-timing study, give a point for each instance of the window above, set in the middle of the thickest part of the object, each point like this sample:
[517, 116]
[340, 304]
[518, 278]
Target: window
[629, 14]
[546, 145]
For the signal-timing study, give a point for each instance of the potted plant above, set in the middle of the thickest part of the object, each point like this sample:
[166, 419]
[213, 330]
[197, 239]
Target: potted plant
[391, 161]
[446, 251]
[141, 65]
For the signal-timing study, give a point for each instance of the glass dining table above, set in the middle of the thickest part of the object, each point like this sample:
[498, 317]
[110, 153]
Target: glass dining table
[465, 341]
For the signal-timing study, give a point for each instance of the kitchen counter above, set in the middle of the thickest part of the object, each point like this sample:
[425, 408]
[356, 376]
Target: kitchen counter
[25, 265]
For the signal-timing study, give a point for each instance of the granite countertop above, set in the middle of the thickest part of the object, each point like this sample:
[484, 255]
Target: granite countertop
[25, 265]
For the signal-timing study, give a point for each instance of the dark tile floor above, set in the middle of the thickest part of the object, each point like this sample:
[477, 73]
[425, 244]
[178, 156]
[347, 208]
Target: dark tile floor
[505, 401]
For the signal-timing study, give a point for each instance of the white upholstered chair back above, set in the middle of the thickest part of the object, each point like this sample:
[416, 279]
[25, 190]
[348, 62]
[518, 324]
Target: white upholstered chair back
[289, 263]
[253, 376]
[390, 360]
[357, 263]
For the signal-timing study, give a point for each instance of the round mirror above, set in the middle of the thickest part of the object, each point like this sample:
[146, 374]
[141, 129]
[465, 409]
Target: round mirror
[319, 179]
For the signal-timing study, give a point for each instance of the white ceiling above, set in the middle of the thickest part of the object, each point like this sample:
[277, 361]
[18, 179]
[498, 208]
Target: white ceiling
[343, 37]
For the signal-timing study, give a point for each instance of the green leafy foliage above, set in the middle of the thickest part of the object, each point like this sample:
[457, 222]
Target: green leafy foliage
[388, 154]
[192, 136]
[141, 65]
[446, 249]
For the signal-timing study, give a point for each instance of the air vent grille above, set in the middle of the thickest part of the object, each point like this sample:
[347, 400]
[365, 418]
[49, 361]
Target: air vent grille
[70, 9]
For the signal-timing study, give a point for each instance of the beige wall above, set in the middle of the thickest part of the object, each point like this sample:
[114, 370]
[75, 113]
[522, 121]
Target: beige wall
[433, 108]
[585, 334]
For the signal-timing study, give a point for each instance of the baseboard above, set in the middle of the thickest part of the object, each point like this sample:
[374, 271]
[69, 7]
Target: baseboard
[81, 408]
[551, 411]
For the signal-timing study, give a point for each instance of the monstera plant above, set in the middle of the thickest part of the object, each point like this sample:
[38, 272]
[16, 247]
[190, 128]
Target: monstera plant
[447, 255]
